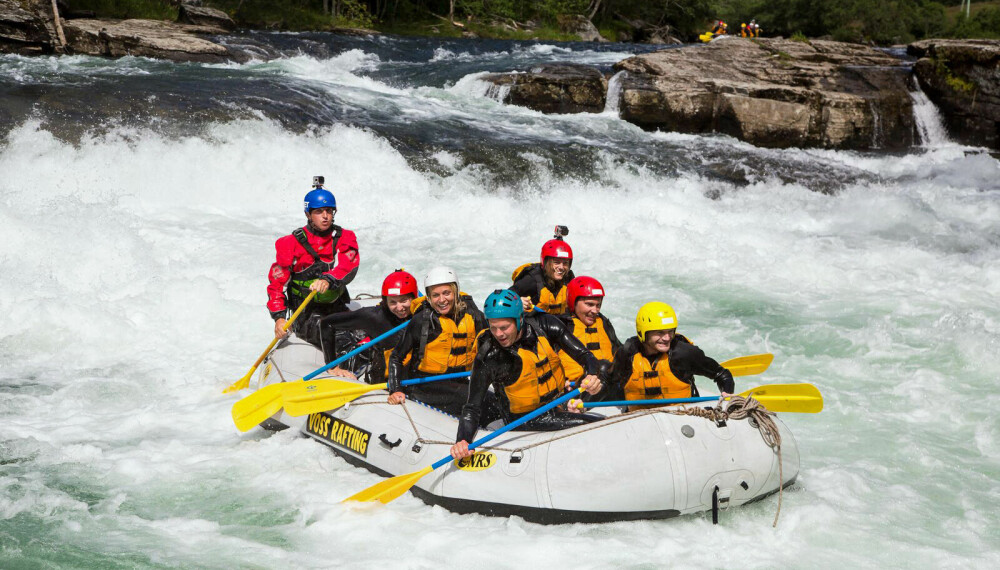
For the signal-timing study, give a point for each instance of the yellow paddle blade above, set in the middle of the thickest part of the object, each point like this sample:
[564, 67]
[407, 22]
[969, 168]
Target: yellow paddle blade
[304, 398]
[747, 365]
[257, 407]
[798, 398]
[241, 383]
[390, 489]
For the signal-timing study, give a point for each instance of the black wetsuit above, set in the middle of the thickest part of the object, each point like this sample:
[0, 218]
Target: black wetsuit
[686, 360]
[447, 395]
[374, 321]
[500, 367]
[532, 280]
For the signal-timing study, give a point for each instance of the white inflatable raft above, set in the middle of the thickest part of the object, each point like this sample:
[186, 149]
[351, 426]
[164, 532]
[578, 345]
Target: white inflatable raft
[645, 465]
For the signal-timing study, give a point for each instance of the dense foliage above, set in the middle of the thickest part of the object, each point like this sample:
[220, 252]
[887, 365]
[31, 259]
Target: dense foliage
[878, 21]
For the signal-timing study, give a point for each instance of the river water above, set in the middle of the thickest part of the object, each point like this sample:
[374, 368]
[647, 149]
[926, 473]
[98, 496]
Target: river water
[139, 201]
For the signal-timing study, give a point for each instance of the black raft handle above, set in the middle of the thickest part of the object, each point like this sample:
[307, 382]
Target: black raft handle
[385, 440]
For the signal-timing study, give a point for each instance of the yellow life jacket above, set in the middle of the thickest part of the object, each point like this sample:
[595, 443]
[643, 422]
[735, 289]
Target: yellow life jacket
[553, 304]
[387, 353]
[453, 350]
[596, 340]
[649, 383]
[541, 378]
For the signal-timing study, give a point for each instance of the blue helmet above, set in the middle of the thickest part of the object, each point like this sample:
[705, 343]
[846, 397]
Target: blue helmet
[319, 198]
[504, 304]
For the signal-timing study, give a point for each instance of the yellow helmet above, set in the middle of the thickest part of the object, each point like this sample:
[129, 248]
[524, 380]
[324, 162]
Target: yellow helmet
[654, 316]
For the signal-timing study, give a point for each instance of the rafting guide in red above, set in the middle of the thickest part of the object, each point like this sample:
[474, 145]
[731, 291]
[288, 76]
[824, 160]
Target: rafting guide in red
[320, 256]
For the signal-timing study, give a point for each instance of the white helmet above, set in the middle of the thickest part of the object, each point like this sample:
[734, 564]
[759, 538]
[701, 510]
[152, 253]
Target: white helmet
[440, 275]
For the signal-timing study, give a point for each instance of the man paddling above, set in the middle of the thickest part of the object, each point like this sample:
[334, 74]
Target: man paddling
[320, 256]
[658, 363]
[517, 356]
[585, 321]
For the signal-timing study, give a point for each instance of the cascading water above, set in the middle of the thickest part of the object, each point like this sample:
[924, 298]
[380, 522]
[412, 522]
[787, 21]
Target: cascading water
[614, 93]
[933, 133]
[139, 204]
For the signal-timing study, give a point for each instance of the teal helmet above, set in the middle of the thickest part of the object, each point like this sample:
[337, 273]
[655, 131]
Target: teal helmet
[504, 304]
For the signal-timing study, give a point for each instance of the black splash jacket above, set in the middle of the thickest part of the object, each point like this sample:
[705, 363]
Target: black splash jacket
[501, 367]
[532, 280]
[375, 321]
[686, 361]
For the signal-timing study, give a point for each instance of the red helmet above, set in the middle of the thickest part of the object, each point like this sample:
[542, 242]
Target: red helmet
[557, 248]
[399, 282]
[583, 286]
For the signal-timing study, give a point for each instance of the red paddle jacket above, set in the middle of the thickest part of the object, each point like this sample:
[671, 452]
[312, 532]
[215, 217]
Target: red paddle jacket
[292, 257]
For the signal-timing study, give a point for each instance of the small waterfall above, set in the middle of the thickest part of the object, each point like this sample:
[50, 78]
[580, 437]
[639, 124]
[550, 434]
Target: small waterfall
[929, 124]
[877, 137]
[498, 93]
[614, 94]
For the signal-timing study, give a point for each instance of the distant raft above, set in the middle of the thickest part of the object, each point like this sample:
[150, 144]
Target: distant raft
[651, 464]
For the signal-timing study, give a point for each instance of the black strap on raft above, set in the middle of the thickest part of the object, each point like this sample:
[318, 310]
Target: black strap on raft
[386, 441]
[715, 506]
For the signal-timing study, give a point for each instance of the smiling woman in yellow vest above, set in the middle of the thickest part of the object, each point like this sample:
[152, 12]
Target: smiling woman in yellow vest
[543, 284]
[585, 296]
[658, 363]
[440, 339]
[517, 357]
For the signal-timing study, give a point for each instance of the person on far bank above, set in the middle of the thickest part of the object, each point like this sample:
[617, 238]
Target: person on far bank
[518, 358]
[658, 363]
[440, 339]
[543, 284]
[320, 256]
[399, 289]
[585, 321]
[719, 29]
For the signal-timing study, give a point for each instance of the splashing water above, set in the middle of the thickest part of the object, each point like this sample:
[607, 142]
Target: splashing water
[135, 234]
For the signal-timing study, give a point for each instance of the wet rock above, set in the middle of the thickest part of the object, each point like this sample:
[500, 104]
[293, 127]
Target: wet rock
[26, 27]
[962, 77]
[580, 26]
[201, 16]
[146, 38]
[554, 88]
[773, 93]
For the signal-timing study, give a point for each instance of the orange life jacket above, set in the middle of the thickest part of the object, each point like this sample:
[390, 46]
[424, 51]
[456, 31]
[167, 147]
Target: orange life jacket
[596, 340]
[540, 381]
[654, 382]
[552, 304]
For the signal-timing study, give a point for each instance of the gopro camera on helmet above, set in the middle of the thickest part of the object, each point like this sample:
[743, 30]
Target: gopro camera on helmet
[561, 232]
[318, 181]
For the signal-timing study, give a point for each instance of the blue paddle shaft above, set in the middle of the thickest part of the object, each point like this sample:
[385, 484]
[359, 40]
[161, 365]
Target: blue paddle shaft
[363, 347]
[427, 379]
[649, 402]
[520, 421]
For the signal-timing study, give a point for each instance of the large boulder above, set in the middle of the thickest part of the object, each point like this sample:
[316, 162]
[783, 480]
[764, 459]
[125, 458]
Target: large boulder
[962, 77]
[201, 16]
[581, 27]
[26, 26]
[554, 88]
[773, 92]
[147, 38]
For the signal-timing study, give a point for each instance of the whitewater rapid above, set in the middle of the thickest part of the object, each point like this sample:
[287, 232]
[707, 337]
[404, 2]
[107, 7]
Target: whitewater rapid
[133, 256]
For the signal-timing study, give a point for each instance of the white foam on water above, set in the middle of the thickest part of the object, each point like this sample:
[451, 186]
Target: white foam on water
[133, 291]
